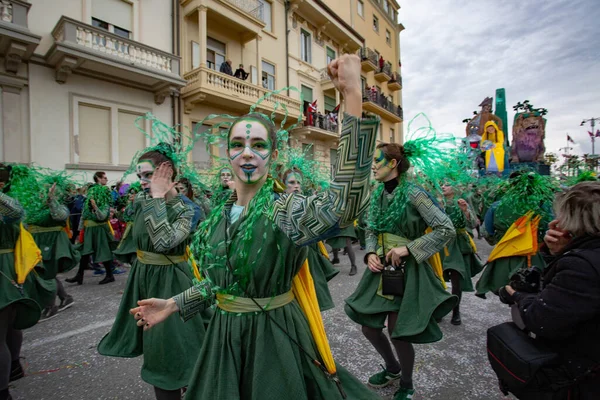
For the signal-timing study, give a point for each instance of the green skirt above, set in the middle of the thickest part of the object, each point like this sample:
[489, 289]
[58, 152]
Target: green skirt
[171, 348]
[322, 272]
[58, 254]
[35, 294]
[246, 356]
[126, 250]
[339, 241]
[98, 242]
[424, 301]
[463, 260]
[498, 272]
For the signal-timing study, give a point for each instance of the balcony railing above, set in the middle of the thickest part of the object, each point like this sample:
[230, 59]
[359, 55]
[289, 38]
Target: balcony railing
[223, 85]
[396, 82]
[252, 7]
[378, 98]
[96, 40]
[369, 56]
[321, 121]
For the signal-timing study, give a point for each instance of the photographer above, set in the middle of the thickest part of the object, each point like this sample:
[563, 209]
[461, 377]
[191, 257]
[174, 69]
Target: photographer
[565, 315]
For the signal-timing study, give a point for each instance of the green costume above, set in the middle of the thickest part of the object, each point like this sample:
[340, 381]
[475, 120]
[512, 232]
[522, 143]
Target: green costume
[161, 231]
[35, 292]
[425, 299]
[126, 250]
[339, 241]
[252, 355]
[322, 271]
[58, 254]
[459, 254]
[98, 239]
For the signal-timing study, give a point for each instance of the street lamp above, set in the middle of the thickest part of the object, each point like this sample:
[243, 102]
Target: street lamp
[592, 122]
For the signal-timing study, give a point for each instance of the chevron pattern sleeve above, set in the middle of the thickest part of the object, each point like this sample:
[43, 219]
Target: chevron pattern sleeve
[102, 213]
[166, 234]
[58, 212]
[10, 210]
[370, 241]
[306, 220]
[470, 217]
[443, 230]
[195, 300]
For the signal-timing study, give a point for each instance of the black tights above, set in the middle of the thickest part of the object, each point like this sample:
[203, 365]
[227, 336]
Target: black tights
[85, 261]
[349, 250]
[10, 343]
[162, 394]
[455, 279]
[404, 350]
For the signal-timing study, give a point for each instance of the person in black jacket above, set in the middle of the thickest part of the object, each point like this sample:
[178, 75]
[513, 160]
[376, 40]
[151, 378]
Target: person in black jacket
[566, 313]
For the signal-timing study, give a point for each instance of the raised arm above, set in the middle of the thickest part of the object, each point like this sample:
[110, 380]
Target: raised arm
[10, 209]
[58, 212]
[166, 234]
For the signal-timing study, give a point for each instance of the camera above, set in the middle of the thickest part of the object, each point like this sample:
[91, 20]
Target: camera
[527, 280]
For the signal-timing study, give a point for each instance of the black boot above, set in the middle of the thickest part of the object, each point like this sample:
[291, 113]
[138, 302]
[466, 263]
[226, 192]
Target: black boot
[78, 278]
[16, 371]
[109, 274]
[456, 316]
[4, 395]
[352, 270]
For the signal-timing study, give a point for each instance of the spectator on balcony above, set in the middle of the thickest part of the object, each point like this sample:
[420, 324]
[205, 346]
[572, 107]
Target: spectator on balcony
[381, 63]
[240, 73]
[226, 68]
[373, 93]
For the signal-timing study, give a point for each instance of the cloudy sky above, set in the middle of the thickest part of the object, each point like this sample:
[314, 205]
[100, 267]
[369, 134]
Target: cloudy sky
[456, 52]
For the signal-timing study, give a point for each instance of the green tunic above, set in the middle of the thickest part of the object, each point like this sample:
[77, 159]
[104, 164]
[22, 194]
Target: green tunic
[98, 239]
[170, 349]
[126, 250]
[322, 271]
[425, 299]
[247, 356]
[339, 241]
[459, 254]
[498, 272]
[36, 292]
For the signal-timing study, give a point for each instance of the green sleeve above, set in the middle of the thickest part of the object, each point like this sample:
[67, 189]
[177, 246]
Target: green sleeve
[10, 209]
[58, 212]
[195, 300]
[163, 233]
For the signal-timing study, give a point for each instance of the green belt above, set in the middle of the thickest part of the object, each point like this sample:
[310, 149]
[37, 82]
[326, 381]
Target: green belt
[43, 229]
[7, 251]
[235, 304]
[88, 223]
[147, 257]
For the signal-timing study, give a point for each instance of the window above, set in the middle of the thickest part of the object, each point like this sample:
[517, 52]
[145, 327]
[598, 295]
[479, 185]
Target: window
[332, 159]
[200, 155]
[115, 16]
[386, 6]
[215, 54]
[375, 23]
[106, 133]
[268, 75]
[330, 55]
[329, 104]
[266, 15]
[392, 135]
[365, 87]
[361, 8]
[305, 46]
[195, 55]
[307, 94]
[388, 37]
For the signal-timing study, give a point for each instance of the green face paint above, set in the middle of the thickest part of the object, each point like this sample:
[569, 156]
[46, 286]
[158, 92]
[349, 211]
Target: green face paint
[249, 151]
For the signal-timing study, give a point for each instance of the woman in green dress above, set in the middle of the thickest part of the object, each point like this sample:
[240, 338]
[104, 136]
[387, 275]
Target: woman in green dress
[126, 250]
[320, 267]
[459, 258]
[400, 214]
[161, 229]
[259, 344]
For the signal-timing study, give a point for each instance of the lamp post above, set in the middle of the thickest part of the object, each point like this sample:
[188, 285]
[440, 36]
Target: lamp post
[592, 122]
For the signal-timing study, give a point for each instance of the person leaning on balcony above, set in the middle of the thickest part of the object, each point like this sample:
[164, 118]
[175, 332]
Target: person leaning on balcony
[240, 73]
[381, 63]
[226, 68]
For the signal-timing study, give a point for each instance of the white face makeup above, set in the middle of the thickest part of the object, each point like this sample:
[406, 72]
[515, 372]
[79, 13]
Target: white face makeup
[382, 168]
[144, 171]
[447, 190]
[249, 151]
[293, 183]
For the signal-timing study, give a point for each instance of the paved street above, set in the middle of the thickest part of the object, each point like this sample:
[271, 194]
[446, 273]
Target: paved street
[62, 363]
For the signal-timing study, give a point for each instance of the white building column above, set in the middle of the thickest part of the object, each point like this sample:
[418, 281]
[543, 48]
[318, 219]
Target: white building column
[202, 28]
[258, 61]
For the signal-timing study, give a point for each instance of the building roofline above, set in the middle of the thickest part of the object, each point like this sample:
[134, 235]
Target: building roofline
[340, 20]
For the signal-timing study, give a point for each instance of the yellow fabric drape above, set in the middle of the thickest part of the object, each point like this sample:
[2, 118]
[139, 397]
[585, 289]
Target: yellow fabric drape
[68, 229]
[519, 240]
[323, 249]
[436, 263]
[190, 258]
[498, 151]
[471, 242]
[27, 255]
[303, 288]
[88, 223]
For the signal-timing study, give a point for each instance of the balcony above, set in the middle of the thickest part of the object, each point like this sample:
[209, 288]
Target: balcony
[17, 43]
[369, 59]
[377, 103]
[326, 83]
[384, 74]
[319, 127]
[395, 83]
[234, 94]
[92, 51]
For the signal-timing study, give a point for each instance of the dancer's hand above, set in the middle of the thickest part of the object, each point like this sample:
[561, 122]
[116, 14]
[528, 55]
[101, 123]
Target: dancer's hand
[374, 263]
[556, 239]
[93, 203]
[153, 311]
[462, 203]
[51, 192]
[162, 181]
[231, 184]
[395, 255]
[345, 75]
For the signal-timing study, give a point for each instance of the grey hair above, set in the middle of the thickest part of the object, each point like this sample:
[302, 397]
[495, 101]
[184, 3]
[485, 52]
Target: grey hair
[578, 209]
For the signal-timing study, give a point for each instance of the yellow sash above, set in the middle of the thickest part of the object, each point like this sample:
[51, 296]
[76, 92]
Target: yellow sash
[236, 304]
[88, 223]
[323, 249]
[44, 229]
[147, 257]
[27, 255]
[192, 262]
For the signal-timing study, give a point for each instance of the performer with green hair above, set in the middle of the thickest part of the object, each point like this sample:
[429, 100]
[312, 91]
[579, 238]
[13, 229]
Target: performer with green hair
[267, 340]
[406, 231]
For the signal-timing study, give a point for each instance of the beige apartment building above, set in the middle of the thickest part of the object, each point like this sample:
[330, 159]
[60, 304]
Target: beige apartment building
[76, 74]
[289, 43]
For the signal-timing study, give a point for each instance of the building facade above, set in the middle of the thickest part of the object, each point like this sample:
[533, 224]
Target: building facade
[76, 74]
